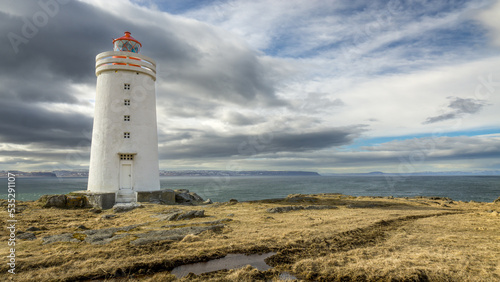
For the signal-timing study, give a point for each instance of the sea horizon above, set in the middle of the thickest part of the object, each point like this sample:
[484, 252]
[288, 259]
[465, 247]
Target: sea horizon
[480, 188]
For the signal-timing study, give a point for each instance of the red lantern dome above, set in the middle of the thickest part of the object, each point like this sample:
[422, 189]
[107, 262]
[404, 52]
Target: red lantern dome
[127, 43]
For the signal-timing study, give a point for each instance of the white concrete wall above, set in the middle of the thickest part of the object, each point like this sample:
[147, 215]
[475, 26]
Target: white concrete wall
[109, 126]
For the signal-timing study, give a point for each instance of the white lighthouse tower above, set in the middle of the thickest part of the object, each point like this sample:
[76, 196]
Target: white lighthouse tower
[124, 151]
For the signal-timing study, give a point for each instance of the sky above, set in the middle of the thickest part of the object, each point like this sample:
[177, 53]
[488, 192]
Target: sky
[326, 86]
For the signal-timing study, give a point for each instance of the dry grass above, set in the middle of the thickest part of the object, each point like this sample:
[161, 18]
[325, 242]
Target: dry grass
[364, 239]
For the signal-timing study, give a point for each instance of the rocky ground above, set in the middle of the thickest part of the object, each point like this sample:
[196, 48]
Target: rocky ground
[326, 237]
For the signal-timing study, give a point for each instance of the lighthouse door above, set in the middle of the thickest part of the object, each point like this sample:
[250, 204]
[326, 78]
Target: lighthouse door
[126, 176]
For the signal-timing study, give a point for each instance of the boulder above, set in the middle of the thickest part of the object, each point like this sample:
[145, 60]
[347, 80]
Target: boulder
[183, 196]
[191, 215]
[126, 207]
[296, 208]
[497, 200]
[195, 197]
[94, 210]
[56, 201]
[26, 236]
[66, 237]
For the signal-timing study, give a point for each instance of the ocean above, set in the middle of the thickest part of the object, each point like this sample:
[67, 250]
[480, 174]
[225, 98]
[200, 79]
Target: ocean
[221, 189]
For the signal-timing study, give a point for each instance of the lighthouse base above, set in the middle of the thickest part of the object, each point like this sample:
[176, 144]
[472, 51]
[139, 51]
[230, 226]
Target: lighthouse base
[106, 200]
[99, 200]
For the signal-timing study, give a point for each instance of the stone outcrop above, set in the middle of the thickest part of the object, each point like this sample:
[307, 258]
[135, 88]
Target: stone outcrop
[26, 236]
[296, 208]
[183, 196]
[108, 235]
[299, 198]
[180, 215]
[126, 207]
[97, 237]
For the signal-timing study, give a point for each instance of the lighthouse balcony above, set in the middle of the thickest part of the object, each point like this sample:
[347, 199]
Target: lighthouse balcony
[128, 61]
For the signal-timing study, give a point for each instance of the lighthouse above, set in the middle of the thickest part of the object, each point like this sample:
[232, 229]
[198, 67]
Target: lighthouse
[124, 150]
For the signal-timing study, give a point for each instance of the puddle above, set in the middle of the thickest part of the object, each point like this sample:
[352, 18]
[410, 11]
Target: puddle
[231, 261]
[287, 276]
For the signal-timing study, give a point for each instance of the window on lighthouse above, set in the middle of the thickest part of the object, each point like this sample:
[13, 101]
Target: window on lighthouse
[126, 118]
[126, 102]
[126, 135]
[126, 86]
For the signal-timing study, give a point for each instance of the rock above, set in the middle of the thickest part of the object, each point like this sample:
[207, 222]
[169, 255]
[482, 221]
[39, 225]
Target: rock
[233, 201]
[183, 196]
[497, 200]
[320, 207]
[208, 202]
[126, 207]
[191, 215]
[296, 198]
[230, 215]
[294, 208]
[108, 216]
[215, 222]
[26, 236]
[181, 191]
[94, 210]
[438, 198]
[195, 197]
[57, 201]
[32, 228]
[66, 237]
[82, 227]
[172, 216]
[96, 237]
[284, 209]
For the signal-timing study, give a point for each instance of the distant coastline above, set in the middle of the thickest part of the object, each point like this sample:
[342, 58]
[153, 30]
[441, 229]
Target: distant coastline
[85, 173]
[205, 173]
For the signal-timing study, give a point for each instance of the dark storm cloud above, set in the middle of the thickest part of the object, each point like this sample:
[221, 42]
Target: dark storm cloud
[239, 119]
[210, 145]
[459, 107]
[44, 66]
[25, 124]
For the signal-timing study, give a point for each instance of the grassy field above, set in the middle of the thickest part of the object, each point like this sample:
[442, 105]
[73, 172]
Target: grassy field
[364, 239]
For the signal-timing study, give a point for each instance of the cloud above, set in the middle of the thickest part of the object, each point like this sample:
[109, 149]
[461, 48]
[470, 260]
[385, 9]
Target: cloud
[273, 85]
[211, 145]
[459, 107]
[489, 17]
[238, 119]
